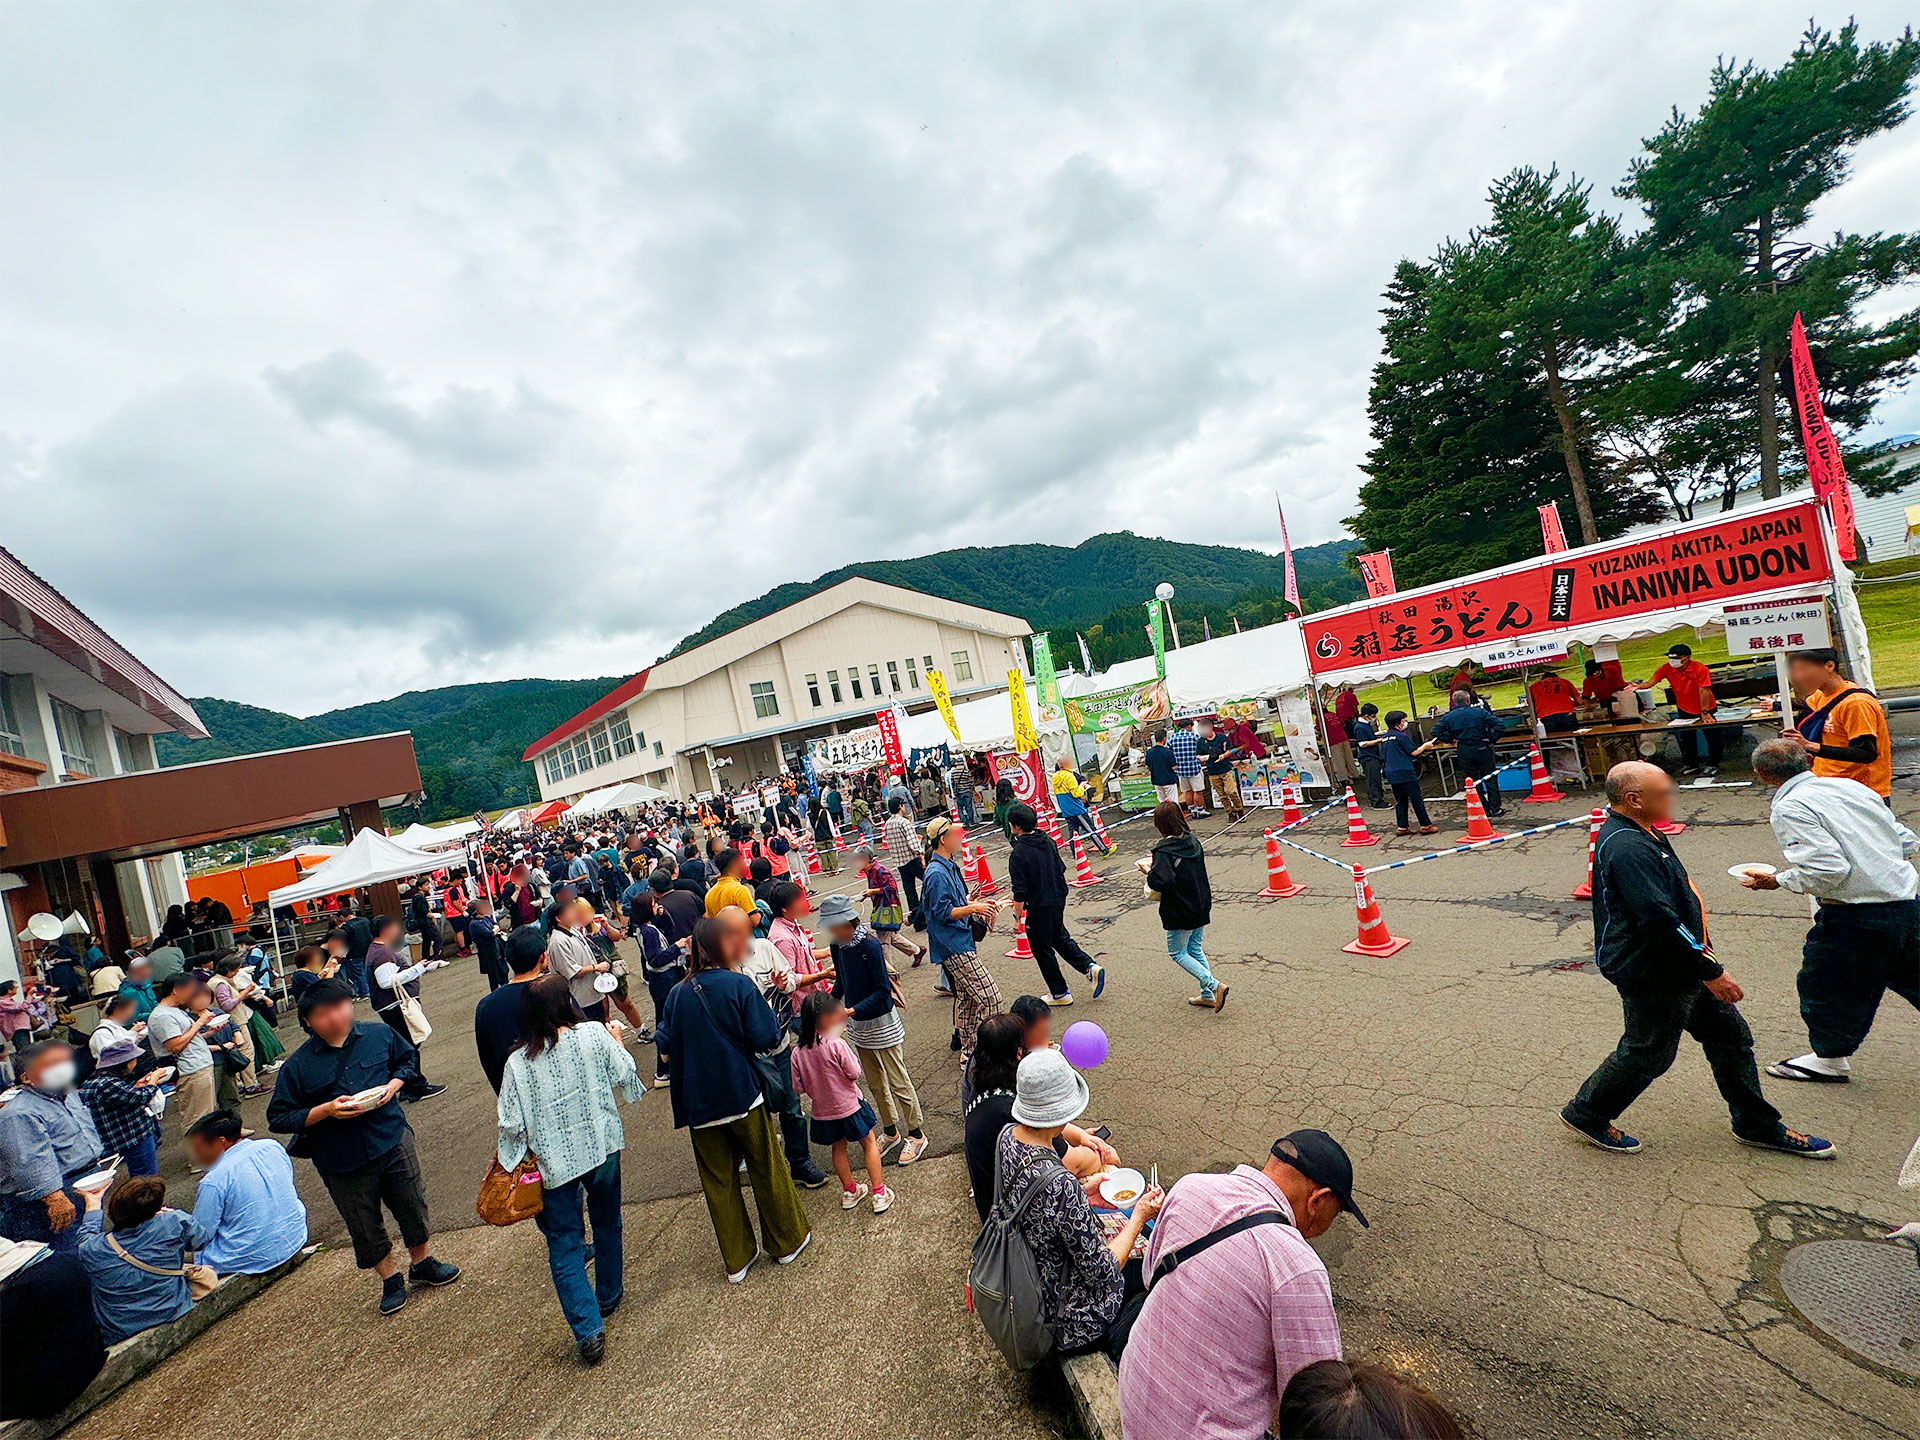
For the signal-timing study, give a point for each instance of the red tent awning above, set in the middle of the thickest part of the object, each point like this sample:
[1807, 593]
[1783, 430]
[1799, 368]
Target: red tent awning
[552, 810]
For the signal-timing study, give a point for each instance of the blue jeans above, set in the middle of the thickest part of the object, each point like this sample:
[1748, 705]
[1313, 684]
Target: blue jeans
[355, 972]
[1183, 948]
[144, 1158]
[560, 1221]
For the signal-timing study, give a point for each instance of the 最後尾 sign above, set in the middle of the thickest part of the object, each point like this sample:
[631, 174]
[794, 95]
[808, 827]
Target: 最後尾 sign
[1777, 625]
[1700, 565]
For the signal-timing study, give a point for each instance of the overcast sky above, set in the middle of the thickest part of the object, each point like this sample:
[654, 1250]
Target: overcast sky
[349, 349]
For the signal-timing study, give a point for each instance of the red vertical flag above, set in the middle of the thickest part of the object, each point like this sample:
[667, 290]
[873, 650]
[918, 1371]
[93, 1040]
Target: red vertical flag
[1551, 535]
[1293, 584]
[1376, 573]
[1825, 472]
[889, 723]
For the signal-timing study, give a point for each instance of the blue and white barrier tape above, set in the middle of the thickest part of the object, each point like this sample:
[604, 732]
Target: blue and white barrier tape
[1476, 844]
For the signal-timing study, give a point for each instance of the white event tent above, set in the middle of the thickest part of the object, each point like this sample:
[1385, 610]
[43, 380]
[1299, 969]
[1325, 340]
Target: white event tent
[615, 797]
[368, 858]
[1252, 665]
[985, 724]
[434, 837]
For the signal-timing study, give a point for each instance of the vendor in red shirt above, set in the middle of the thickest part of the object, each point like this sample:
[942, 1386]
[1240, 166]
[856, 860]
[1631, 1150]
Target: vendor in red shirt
[1553, 701]
[1692, 686]
[1604, 681]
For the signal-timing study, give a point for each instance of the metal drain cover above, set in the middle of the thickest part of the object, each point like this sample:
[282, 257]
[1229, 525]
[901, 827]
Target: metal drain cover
[1865, 1296]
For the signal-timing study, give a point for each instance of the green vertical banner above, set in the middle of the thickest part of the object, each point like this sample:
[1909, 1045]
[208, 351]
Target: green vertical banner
[1046, 682]
[1157, 626]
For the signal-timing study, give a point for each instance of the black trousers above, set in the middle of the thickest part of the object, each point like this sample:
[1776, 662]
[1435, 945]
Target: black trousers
[393, 1181]
[1405, 793]
[1047, 934]
[1853, 955]
[659, 987]
[793, 1124]
[912, 872]
[1693, 739]
[1371, 767]
[1647, 1049]
[1483, 768]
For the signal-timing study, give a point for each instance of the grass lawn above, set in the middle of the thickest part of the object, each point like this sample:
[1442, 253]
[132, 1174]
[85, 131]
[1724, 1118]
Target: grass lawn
[1892, 613]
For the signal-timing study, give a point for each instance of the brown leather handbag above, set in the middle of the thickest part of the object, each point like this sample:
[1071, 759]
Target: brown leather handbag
[509, 1196]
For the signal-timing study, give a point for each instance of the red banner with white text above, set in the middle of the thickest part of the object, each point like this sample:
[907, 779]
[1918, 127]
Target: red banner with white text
[1376, 572]
[1825, 471]
[1699, 565]
[889, 725]
[1552, 537]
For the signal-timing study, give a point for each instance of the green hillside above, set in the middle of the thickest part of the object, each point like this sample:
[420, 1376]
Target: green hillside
[469, 737]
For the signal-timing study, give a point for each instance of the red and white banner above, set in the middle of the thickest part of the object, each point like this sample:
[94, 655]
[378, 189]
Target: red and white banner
[1552, 537]
[1029, 777]
[1286, 547]
[889, 724]
[1376, 572]
[1699, 565]
[1825, 472]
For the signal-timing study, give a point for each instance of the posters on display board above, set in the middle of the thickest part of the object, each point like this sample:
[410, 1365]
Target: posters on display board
[1295, 729]
[1742, 555]
[1117, 709]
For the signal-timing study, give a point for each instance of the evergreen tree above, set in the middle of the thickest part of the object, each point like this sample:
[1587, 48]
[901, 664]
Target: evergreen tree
[1728, 193]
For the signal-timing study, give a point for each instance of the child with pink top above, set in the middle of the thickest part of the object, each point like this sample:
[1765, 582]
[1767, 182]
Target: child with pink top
[825, 1070]
[808, 962]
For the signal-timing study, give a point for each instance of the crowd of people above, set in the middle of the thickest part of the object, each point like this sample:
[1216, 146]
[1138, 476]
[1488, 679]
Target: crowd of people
[774, 1020]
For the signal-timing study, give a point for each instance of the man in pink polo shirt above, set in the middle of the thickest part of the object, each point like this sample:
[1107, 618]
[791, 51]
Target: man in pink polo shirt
[1223, 1331]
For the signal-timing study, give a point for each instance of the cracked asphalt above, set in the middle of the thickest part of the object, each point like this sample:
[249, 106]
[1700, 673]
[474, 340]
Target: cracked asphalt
[1549, 1289]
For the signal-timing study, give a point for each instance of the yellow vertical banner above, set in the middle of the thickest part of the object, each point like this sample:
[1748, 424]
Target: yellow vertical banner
[937, 683]
[1024, 739]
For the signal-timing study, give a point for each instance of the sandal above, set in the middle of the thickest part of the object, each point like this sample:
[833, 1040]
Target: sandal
[1787, 1070]
[1403, 830]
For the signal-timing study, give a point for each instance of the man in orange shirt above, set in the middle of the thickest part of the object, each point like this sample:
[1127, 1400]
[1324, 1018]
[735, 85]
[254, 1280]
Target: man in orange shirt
[1553, 701]
[1844, 728]
[1692, 686]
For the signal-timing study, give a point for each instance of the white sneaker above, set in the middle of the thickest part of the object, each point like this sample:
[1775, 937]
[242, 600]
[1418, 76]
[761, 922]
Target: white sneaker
[913, 1149]
[850, 1199]
[741, 1273]
[882, 1200]
[789, 1259]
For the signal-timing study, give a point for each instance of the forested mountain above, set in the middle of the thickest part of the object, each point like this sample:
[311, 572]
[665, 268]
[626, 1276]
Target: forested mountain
[469, 737]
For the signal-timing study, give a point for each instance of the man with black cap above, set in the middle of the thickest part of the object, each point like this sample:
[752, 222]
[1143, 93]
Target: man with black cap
[335, 1096]
[1692, 686]
[1245, 1301]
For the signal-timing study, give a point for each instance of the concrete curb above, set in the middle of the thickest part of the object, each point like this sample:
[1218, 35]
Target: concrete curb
[1094, 1383]
[132, 1358]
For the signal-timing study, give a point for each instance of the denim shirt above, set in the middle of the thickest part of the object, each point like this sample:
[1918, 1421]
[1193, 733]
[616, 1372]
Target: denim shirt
[942, 890]
[126, 1299]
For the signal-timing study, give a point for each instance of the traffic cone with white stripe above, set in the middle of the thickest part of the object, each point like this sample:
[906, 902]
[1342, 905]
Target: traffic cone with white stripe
[1052, 827]
[1374, 938]
[1357, 833]
[813, 856]
[1083, 868]
[1279, 883]
[1670, 827]
[1584, 890]
[1478, 826]
[1021, 949]
[1100, 827]
[983, 880]
[1289, 801]
[1542, 792]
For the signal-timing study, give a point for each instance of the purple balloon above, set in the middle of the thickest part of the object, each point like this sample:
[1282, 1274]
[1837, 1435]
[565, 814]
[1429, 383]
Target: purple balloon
[1084, 1045]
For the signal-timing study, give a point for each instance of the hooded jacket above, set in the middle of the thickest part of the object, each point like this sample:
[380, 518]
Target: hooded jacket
[1179, 874]
[1036, 872]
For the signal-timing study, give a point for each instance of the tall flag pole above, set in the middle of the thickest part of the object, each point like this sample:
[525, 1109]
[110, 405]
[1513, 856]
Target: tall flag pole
[1286, 546]
[1825, 471]
[1086, 660]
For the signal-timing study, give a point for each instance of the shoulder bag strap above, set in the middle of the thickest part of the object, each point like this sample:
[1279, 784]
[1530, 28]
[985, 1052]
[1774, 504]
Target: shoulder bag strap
[751, 1056]
[120, 1250]
[1168, 1263]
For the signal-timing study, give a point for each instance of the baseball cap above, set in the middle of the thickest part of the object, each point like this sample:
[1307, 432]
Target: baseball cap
[1318, 1156]
[937, 827]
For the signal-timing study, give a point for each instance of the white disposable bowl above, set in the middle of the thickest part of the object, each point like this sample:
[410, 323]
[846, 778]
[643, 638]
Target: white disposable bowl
[606, 984]
[1123, 1181]
[1752, 867]
[367, 1097]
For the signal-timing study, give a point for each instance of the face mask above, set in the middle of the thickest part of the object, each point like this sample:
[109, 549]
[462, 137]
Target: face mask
[57, 1076]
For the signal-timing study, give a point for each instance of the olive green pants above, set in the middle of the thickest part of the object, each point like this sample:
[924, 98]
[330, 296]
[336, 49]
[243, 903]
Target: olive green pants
[717, 1151]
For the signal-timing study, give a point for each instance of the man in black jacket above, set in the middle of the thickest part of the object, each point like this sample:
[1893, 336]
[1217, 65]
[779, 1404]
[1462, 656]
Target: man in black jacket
[1039, 880]
[1650, 940]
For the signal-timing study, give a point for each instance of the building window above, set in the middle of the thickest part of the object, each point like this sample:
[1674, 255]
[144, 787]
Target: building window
[602, 744]
[913, 674]
[566, 760]
[13, 740]
[582, 754]
[893, 677]
[962, 666]
[765, 702]
[621, 729]
[853, 679]
[72, 727]
[833, 685]
[813, 690]
[657, 751]
[133, 754]
[552, 758]
[929, 662]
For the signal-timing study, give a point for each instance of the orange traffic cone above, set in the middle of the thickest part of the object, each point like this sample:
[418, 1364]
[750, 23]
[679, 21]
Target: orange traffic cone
[1478, 826]
[1052, 827]
[982, 877]
[1100, 827]
[813, 856]
[1279, 883]
[1373, 938]
[1670, 827]
[1357, 834]
[1083, 868]
[1289, 801]
[1542, 792]
[1584, 890]
[1021, 949]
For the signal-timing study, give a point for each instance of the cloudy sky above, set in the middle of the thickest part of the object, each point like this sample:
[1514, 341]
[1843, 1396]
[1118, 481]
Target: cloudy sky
[347, 349]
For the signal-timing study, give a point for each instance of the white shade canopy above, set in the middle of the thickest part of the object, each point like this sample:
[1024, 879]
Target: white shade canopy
[615, 797]
[432, 837]
[1252, 665]
[985, 723]
[369, 858]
